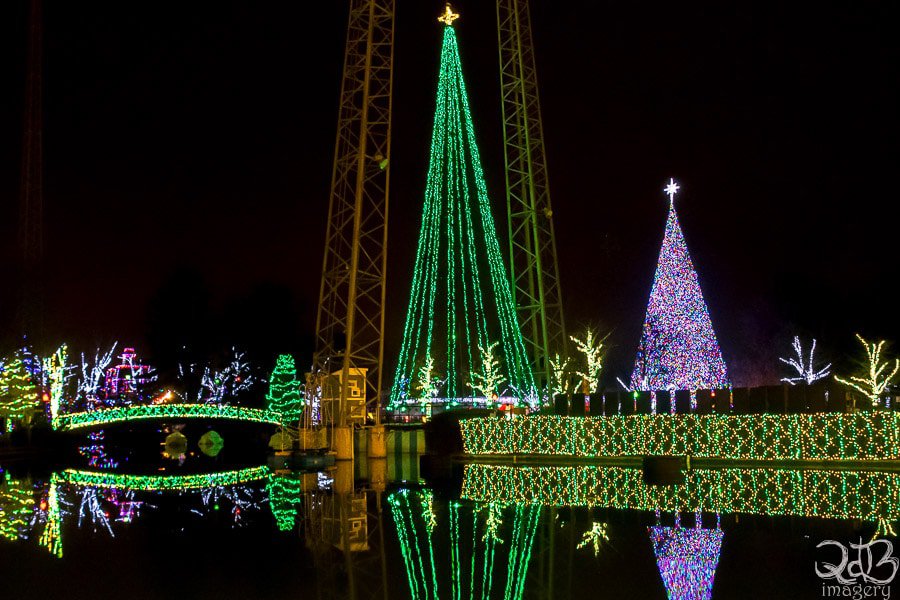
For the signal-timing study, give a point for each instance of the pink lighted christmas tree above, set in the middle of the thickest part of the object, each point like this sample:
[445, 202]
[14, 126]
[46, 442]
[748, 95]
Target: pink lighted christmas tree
[678, 348]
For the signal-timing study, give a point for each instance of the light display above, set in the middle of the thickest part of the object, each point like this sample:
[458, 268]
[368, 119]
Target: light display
[90, 382]
[460, 297]
[285, 495]
[835, 494]
[874, 381]
[55, 378]
[486, 382]
[806, 370]
[593, 360]
[216, 385]
[678, 347]
[687, 559]
[51, 537]
[19, 397]
[145, 483]
[560, 375]
[873, 435]
[416, 521]
[16, 506]
[123, 382]
[284, 395]
[165, 411]
[429, 382]
[594, 537]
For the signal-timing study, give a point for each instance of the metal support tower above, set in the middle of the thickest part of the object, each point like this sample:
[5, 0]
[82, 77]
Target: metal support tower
[533, 265]
[31, 239]
[350, 320]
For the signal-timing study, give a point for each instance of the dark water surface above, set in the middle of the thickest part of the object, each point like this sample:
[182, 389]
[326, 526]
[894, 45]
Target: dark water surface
[214, 529]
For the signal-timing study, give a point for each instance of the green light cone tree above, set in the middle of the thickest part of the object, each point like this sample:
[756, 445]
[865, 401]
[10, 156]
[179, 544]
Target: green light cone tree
[284, 394]
[460, 299]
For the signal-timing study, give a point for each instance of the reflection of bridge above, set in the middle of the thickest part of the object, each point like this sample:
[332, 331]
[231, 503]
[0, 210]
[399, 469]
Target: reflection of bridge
[159, 483]
[121, 414]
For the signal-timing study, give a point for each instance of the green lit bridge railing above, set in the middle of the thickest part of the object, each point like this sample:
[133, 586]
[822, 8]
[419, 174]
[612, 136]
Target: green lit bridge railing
[122, 414]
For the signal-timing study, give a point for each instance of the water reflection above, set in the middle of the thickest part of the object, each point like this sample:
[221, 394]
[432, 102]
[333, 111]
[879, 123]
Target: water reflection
[509, 532]
[687, 558]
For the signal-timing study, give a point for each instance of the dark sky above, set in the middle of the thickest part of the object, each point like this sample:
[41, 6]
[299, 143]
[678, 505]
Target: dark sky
[188, 151]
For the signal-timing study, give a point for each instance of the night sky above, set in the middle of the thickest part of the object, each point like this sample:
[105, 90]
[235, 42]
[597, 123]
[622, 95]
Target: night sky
[188, 150]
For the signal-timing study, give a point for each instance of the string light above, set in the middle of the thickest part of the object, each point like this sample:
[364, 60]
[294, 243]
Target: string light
[873, 435]
[806, 371]
[678, 348]
[417, 527]
[284, 394]
[145, 483]
[594, 537]
[833, 494]
[120, 414]
[16, 506]
[460, 295]
[687, 560]
[873, 382]
[593, 359]
[19, 397]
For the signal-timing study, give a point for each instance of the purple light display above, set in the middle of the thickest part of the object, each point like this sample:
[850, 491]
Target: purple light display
[678, 348]
[687, 560]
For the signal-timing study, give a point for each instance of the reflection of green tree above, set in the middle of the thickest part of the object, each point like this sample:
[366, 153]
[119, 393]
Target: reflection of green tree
[285, 495]
[16, 506]
[51, 538]
[415, 519]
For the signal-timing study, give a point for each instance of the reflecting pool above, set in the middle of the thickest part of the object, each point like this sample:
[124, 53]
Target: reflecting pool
[376, 530]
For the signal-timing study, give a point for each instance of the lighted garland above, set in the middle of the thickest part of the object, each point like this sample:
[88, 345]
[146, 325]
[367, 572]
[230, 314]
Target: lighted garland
[867, 495]
[166, 411]
[148, 483]
[460, 298]
[873, 435]
[678, 347]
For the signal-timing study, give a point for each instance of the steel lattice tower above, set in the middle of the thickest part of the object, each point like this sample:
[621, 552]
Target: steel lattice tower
[31, 239]
[533, 264]
[350, 320]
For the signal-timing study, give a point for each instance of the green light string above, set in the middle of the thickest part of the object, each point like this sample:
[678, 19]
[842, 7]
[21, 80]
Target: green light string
[405, 551]
[449, 257]
[820, 436]
[159, 411]
[147, 483]
[832, 494]
[455, 574]
[285, 495]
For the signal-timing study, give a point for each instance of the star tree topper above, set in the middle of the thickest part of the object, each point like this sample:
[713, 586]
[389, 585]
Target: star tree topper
[671, 190]
[449, 16]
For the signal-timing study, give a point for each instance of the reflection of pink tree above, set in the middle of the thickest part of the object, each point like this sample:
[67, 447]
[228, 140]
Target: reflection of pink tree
[687, 559]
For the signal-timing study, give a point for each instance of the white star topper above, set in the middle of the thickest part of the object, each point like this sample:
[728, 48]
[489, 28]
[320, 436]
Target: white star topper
[671, 190]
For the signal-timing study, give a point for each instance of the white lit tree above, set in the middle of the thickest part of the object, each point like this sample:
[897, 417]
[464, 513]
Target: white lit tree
[592, 348]
[559, 376]
[487, 383]
[873, 380]
[429, 382]
[806, 368]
